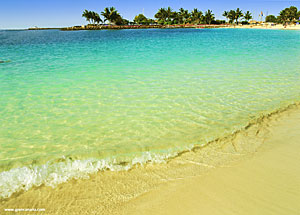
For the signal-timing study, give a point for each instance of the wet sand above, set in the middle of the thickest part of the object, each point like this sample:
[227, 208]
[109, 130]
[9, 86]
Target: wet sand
[253, 171]
[266, 183]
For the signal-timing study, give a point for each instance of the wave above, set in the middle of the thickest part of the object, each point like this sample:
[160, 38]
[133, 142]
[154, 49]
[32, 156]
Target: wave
[52, 174]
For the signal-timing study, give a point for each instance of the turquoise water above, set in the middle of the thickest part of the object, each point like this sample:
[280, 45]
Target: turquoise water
[73, 103]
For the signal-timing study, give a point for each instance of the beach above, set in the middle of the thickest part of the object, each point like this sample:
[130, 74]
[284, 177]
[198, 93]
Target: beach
[267, 182]
[267, 26]
[251, 172]
[157, 108]
[88, 127]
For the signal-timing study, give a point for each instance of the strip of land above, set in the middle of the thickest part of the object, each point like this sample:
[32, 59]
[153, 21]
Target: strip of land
[119, 27]
[267, 26]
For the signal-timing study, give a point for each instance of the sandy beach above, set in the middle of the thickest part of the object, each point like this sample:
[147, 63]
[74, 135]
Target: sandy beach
[267, 26]
[166, 108]
[254, 171]
[266, 183]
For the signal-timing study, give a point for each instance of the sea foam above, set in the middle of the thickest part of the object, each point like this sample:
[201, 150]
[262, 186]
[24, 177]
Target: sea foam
[52, 174]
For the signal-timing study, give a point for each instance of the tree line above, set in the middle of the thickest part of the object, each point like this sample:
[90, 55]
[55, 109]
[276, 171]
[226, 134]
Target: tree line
[169, 17]
[110, 15]
[163, 17]
[288, 15]
[166, 16]
[236, 15]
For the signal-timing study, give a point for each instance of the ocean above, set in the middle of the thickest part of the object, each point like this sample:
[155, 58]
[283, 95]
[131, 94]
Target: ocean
[73, 103]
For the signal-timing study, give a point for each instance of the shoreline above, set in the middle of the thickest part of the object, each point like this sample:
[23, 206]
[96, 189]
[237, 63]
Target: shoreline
[202, 26]
[121, 27]
[109, 192]
[275, 27]
[266, 183]
[94, 166]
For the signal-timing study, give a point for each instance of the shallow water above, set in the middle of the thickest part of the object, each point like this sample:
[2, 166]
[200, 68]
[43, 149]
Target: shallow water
[72, 103]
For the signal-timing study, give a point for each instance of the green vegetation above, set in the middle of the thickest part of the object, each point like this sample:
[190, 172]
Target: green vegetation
[169, 17]
[230, 15]
[271, 18]
[209, 17]
[248, 16]
[166, 16]
[236, 15]
[140, 19]
[110, 14]
[92, 16]
[113, 17]
[289, 15]
[196, 16]
[225, 14]
[183, 16]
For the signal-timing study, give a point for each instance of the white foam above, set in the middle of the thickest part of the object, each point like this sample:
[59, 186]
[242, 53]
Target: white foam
[52, 174]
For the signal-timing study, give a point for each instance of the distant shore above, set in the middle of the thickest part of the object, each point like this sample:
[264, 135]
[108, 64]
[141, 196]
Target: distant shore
[267, 26]
[119, 27]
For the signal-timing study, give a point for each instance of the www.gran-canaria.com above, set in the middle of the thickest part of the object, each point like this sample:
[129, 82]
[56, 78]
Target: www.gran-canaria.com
[24, 209]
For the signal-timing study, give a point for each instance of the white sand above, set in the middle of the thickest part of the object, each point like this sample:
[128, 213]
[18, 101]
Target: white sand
[267, 183]
[278, 27]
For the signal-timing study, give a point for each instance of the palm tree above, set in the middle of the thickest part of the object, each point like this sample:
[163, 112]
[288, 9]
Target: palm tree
[196, 16]
[225, 14]
[248, 16]
[91, 16]
[87, 14]
[181, 16]
[169, 14]
[209, 17]
[97, 18]
[118, 20]
[238, 15]
[231, 16]
[114, 15]
[161, 15]
[184, 16]
[111, 15]
[106, 14]
[176, 18]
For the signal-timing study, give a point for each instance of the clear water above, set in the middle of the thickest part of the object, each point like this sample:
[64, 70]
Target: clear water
[72, 103]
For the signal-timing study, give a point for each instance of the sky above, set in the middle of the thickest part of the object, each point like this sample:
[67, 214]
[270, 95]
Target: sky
[20, 14]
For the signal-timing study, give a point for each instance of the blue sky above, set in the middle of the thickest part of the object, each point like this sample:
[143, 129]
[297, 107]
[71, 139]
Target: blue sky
[16, 14]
